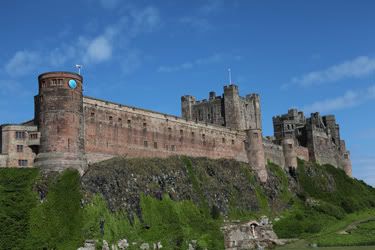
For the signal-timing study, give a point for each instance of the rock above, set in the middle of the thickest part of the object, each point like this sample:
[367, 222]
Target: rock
[89, 245]
[122, 244]
[105, 245]
[158, 245]
[145, 246]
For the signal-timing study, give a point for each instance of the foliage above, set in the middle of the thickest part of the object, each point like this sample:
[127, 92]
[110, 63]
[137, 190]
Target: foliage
[172, 223]
[16, 201]
[327, 201]
[56, 223]
[326, 196]
[327, 183]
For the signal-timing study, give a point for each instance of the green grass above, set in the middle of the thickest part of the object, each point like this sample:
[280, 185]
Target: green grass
[16, 201]
[56, 223]
[172, 223]
[326, 196]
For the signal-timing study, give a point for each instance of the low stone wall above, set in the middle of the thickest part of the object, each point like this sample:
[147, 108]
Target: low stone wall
[274, 153]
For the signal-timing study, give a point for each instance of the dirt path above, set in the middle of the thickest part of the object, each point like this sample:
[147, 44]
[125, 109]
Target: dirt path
[354, 225]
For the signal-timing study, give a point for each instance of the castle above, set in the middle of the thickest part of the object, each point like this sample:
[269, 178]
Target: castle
[72, 130]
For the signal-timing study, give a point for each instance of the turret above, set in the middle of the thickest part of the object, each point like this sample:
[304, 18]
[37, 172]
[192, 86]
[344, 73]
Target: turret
[59, 114]
[290, 154]
[347, 164]
[187, 102]
[255, 153]
[232, 107]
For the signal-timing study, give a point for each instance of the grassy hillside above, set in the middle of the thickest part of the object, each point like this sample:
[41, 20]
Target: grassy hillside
[177, 200]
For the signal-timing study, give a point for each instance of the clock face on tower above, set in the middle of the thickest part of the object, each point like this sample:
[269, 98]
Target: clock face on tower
[72, 84]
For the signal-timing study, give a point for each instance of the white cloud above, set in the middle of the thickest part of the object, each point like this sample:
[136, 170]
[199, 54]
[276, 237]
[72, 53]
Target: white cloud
[23, 62]
[358, 67]
[98, 50]
[349, 99]
[89, 50]
[215, 58]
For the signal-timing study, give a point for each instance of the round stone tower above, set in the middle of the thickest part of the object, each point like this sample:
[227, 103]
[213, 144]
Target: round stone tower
[290, 154]
[255, 153]
[347, 164]
[59, 116]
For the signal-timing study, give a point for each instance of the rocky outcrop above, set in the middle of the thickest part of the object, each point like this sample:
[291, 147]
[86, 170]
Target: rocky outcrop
[220, 183]
[250, 235]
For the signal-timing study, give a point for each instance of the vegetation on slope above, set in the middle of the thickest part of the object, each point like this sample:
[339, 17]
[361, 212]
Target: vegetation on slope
[16, 201]
[326, 196]
[175, 201]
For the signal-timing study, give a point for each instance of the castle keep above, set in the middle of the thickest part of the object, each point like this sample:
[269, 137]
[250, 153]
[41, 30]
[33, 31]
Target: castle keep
[72, 130]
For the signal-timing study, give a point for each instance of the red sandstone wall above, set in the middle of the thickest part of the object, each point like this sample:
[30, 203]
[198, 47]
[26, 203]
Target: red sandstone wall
[302, 153]
[112, 129]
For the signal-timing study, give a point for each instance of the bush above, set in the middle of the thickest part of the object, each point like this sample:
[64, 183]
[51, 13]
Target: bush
[56, 223]
[16, 201]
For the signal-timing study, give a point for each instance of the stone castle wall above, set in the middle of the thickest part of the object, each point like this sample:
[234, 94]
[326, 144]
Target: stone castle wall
[17, 143]
[302, 152]
[274, 153]
[114, 129]
[322, 149]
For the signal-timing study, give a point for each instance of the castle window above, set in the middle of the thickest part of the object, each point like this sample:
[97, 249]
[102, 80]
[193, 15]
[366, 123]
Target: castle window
[223, 140]
[181, 132]
[33, 136]
[129, 123]
[92, 114]
[22, 163]
[166, 147]
[19, 148]
[119, 120]
[110, 118]
[203, 136]
[144, 128]
[173, 147]
[192, 134]
[232, 142]
[145, 144]
[20, 135]
[155, 145]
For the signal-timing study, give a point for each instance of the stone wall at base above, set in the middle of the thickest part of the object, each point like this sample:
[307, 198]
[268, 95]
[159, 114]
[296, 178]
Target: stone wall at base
[274, 153]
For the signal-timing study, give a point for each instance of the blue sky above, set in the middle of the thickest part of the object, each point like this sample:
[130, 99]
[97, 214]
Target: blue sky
[315, 56]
